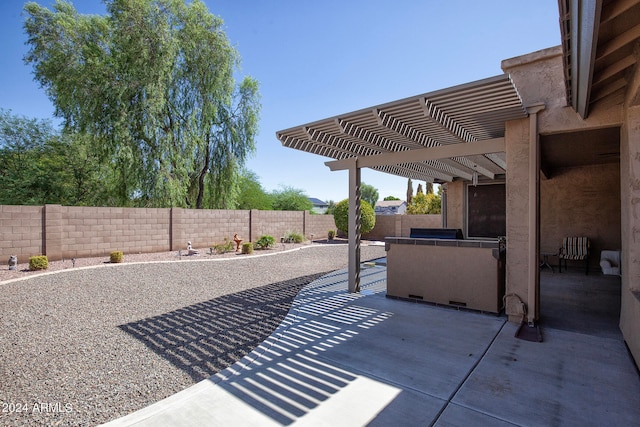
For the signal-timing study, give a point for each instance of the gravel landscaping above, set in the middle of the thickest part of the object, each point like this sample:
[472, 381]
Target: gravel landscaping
[86, 345]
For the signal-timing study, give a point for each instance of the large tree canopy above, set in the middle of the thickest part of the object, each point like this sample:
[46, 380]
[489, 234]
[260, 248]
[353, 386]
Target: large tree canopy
[252, 194]
[152, 84]
[40, 165]
[369, 193]
[290, 199]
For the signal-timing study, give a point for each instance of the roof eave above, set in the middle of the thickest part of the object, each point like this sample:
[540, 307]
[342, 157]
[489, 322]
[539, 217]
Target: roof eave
[579, 27]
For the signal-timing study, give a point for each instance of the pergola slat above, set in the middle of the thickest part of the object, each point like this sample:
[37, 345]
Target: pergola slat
[466, 114]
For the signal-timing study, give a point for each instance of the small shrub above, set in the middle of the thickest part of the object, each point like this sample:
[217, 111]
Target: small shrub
[294, 237]
[265, 242]
[38, 262]
[331, 234]
[247, 248]
[223, 248]
[116, 256]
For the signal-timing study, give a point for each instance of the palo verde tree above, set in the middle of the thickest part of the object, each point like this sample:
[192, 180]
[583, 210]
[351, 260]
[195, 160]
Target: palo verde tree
[252, 195]
[290, 199]
[152, 84]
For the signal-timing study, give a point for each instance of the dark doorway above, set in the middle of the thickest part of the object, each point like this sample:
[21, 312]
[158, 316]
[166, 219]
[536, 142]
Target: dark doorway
[580, 196]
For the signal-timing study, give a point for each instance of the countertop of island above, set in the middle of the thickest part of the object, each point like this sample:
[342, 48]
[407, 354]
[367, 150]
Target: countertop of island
[489, 244]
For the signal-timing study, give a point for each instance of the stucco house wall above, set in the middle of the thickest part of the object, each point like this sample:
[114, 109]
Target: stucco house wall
[517, 264]
[455, 204]
[581, 201]
[539, 79]
[630, 229]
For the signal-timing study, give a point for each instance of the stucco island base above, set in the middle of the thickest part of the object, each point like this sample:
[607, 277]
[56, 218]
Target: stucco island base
[460, 273]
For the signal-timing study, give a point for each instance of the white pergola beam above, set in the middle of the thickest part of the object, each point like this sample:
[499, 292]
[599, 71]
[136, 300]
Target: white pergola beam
[495, 145]
[420, 140]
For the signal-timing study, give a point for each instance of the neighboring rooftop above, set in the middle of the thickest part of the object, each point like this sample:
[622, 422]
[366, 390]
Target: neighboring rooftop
[317, 202]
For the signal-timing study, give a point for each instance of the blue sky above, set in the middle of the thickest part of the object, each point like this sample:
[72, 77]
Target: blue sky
[317, 59]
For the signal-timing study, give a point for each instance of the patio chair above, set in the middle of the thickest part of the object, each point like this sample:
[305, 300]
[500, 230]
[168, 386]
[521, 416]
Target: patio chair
[574, 249]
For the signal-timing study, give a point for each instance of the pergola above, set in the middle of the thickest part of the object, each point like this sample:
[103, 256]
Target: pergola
[450, 134]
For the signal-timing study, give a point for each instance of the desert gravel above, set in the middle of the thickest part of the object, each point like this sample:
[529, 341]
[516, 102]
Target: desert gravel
[87, 345]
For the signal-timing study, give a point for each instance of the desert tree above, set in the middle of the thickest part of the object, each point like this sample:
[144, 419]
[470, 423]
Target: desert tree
[152, 84]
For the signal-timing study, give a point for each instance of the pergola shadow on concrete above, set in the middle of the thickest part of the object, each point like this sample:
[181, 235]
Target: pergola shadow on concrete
[451, 134]
[566, 119]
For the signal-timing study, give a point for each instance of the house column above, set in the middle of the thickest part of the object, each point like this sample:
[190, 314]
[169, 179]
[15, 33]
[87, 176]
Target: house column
[354, 226]
[533, 276]
[630, 229]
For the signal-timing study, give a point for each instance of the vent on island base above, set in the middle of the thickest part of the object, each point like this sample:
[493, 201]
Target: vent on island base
[415, 296]
[458, 303]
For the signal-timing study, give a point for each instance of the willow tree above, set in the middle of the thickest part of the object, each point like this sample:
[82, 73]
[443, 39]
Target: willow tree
[152, 82]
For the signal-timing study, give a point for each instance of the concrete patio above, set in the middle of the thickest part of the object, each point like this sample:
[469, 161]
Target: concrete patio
[364, 359]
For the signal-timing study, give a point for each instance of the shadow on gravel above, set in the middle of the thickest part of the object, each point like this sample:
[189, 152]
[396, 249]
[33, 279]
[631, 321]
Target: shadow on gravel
[205, 338]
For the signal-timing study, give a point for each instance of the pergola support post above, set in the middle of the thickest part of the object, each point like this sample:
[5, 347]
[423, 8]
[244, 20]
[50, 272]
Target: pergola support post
[354, 226]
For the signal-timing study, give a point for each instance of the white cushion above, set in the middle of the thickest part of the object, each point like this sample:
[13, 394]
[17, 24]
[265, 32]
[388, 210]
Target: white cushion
[610, 262]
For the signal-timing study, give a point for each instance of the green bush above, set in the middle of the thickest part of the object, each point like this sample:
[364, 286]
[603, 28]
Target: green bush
[341, 216]
[265, 242]
[247, 248]
[425, 204]
[331, 234]
[294, 237]
[223, 248]
[38, 262]
[116, 256]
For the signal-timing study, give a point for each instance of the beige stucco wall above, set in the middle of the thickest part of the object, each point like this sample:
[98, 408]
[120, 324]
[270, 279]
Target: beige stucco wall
[455, 204]
[581, 201]
[539, 79]
[630, 217]
[517, 187]
[443, 274]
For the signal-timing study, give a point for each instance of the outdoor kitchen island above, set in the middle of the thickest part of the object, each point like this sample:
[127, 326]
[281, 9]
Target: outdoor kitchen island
[446, 271]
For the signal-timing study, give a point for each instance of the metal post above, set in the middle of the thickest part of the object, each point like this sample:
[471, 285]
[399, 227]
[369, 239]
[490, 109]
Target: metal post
[354, 227]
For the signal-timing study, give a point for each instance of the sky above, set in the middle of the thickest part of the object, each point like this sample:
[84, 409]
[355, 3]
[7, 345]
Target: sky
[316, 59]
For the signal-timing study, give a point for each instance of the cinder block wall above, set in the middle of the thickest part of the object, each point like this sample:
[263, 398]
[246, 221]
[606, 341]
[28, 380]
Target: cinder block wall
[400, 225]
[319, 226]
[206, 227]
[276, 223]
[20, 232]
[72, 231]
[386, 226]
[91, 231]
[419, 221]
